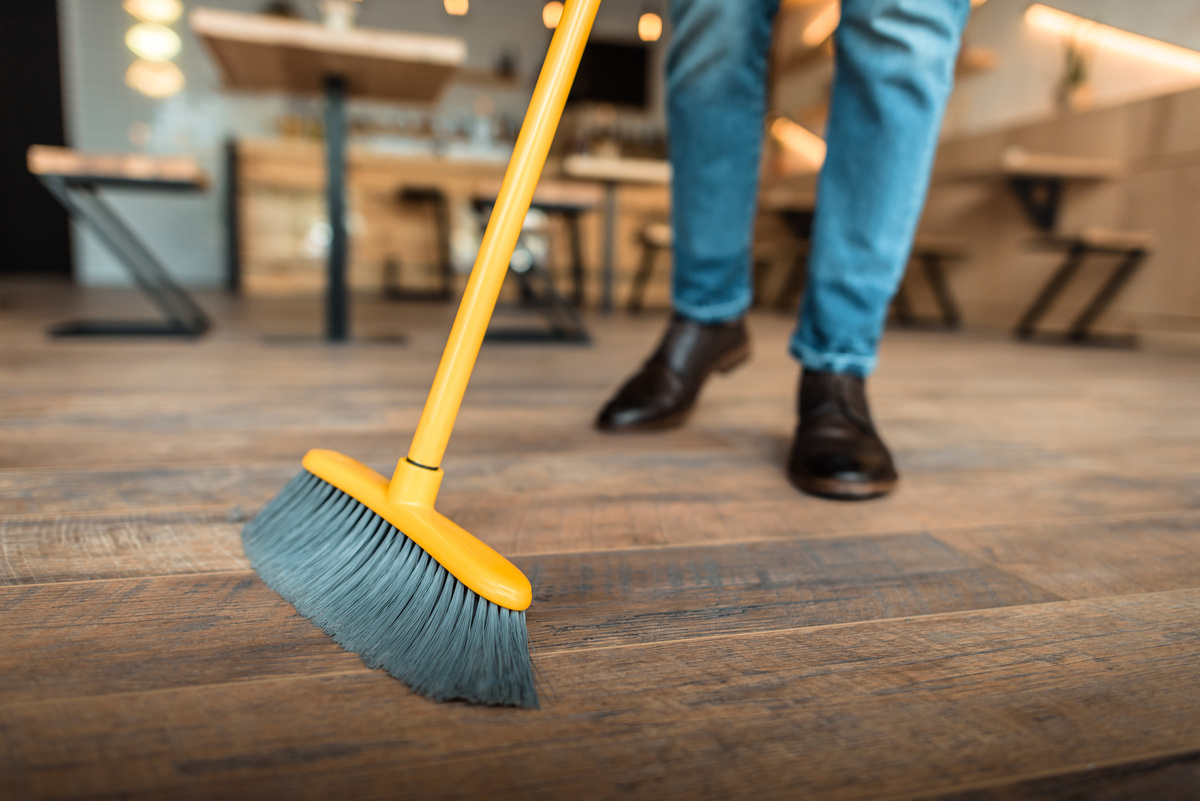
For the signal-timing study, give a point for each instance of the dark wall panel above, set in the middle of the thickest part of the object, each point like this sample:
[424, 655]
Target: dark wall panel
[33, 227]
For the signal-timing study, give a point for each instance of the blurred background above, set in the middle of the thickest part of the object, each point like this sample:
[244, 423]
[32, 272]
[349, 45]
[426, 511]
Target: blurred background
[1109, 86]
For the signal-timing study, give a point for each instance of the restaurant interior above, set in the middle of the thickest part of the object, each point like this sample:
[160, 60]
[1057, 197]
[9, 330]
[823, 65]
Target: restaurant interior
[240, 230]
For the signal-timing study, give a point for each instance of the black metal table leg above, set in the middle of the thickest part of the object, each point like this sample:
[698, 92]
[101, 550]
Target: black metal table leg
[1081, 327]
[575, 234]
[1053, 287]
[441, 208]
[1040, 197]
[641, 278]
[538, 290]
[233, 233]
[183, 316]
[903, 307]
[336, 306]
[610, 247]
[932, 264]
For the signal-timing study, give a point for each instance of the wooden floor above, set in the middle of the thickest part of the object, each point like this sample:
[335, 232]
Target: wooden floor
[1020, 620]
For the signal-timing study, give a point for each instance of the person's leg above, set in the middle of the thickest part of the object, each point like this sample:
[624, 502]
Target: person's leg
[893, 74]
[716, 100]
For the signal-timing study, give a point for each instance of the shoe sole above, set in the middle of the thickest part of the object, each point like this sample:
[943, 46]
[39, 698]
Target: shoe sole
[838, 490]
[727, 364]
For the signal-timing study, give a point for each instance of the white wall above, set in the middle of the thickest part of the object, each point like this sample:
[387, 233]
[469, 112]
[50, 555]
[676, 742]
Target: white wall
[1021, 88]
[187, 231]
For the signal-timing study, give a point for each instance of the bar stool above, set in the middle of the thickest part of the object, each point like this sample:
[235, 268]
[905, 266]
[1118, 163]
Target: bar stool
[434, 200]
[566, 201]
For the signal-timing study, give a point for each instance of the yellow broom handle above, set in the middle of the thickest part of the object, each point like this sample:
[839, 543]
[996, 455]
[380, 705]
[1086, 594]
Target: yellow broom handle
[508, 215]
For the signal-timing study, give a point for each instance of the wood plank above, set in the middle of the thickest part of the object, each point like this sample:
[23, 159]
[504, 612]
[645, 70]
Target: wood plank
[260, 52]
[818, 658]
[1115, 556]
[1167, 778]
[40, 550]
[1016, 160]
[890, 709]
[617, 170]
[236, 488]
[48, 160]
[563, 462]
[276, 31]
[523, 510]
[660, 594]
[99, 637]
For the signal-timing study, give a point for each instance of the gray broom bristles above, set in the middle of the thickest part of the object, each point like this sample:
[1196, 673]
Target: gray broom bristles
[380, 595]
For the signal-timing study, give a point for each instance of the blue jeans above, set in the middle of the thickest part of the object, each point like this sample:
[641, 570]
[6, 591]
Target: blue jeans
[893, 74]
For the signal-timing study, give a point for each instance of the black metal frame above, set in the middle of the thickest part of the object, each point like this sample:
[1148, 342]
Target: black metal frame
[539, 291]
[1080, 329]
[1041, 197]
[637, 289]
[233, 232]
[575, 235]
[565, 324]
[337, 307]
[609, 269]
[931, 262]
[81, 198]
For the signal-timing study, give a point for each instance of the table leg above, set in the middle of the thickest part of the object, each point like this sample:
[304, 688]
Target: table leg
[610, 245]
[336, 307]
[233, 239]
[1051, 291]
[575, 234]
[1081, 327]
[83, 202]
[1041, 198]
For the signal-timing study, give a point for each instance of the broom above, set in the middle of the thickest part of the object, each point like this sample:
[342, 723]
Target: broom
[369, 560]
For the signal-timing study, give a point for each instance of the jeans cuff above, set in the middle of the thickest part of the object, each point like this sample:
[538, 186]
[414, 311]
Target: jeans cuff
[719, 313]
[861, 366]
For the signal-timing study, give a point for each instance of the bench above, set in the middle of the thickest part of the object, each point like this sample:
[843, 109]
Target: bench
[1130, 248]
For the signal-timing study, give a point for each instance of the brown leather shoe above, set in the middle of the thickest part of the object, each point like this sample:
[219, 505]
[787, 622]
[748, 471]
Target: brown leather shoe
[661, 394]
[837, 452]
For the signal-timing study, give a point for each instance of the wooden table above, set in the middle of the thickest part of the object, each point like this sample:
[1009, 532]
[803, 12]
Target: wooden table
[264, 53]
[76, 179]
[611, 172]
[1038, 179]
